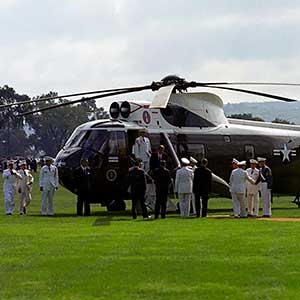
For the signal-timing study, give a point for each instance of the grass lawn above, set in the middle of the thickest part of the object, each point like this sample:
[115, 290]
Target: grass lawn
[109, 256]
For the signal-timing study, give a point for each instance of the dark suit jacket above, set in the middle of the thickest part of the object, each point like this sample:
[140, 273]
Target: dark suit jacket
[162, 179]
[202, 181]
[155, 161]
[82, 182]
[137, 181]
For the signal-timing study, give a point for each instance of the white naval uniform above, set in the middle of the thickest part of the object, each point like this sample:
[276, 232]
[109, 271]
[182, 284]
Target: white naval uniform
[24, 186]
[49, 182]
[237, 184]
[184, 188]
[142, 150]
[253, 192]
[9, 189]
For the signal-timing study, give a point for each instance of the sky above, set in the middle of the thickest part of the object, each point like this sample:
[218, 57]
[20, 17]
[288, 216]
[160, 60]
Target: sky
[69, 46]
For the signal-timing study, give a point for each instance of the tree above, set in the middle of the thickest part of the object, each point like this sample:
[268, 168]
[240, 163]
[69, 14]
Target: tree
[53, 127]
[282, 121]
[12, 134]
[246, 116]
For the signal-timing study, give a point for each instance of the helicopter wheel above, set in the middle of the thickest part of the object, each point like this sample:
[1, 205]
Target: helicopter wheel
[119, 205]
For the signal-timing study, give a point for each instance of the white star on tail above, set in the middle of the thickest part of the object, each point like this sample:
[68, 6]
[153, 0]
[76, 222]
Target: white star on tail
[286, 152]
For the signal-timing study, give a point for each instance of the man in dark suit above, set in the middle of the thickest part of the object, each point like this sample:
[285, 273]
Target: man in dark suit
[157, 157]
[162, 181]
[82, 181]
[202, 186]
[137, 182]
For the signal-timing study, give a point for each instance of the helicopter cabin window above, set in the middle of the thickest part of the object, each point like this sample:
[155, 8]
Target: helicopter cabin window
[249, 151]
[181, 117]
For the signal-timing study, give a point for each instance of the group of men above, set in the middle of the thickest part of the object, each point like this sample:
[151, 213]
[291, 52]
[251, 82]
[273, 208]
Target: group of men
[192, 183]
[247, 183]
[21, 181]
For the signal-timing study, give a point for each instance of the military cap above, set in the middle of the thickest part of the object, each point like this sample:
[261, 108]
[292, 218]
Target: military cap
[48, 158]
[193, 160]
[241, 163]
[253, 161]
[185, 161]
[259, 159]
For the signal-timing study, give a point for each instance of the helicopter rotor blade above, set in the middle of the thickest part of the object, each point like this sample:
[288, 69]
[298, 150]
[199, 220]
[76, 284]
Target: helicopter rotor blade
[130, 90]
[249, 83]
[251, 92]
[67, 96]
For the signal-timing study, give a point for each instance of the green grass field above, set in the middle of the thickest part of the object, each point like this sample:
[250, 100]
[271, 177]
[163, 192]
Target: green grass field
[109, 256]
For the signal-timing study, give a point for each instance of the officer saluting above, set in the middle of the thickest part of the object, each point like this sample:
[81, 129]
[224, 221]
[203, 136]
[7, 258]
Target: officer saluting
[24, 187]
[9, 187]
[48, 184]
[266, 180]
[253, 189]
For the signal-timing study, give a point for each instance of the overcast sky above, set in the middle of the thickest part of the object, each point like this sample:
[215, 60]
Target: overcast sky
[79, 45]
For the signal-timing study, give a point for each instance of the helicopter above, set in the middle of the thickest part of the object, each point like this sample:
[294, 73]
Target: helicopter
[187, 124]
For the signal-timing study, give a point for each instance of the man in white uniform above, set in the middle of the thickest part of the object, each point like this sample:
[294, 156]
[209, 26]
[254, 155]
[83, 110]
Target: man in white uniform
[142, 149]
[184, 187]
[48, 184]
[10, 176]
[237, 184]
[266, 180]
[24, 186]
[253, 189]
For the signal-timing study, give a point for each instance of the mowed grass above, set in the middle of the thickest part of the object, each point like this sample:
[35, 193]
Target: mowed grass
[110, 256]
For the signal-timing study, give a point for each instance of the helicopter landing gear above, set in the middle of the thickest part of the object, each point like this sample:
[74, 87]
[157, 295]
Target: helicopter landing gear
[116, 205]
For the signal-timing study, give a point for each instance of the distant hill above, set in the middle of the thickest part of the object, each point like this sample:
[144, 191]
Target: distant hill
[266, 110]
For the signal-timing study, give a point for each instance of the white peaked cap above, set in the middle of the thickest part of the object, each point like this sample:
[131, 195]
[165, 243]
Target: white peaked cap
[235, 161]
[253, 161]
[261, 159]
[48, 158]
[23, 162]
[185, 161]
[241, 163]
[193, 160]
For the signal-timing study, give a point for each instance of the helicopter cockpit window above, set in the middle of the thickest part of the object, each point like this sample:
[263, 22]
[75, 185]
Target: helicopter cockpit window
[75, 139]
[181, 117]
[96, 140]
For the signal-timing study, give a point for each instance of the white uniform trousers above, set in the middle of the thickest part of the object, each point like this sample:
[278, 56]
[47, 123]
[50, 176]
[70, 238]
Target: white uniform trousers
[266, 199]
[184, 203]
[47, 195]
[146, 165]
[253, 203]
[193, 204]
[9, 199]
[24, 198]
[239, 207]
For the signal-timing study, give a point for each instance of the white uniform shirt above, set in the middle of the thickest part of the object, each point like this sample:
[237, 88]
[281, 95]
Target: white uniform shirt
[9, 180]
[49, 177]
[27, 179]
[184, 180]
[254, 174]
[142, 148]
[238, 180]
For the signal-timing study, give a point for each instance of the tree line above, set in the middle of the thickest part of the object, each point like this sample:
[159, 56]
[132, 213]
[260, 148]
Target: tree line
[44, 132]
